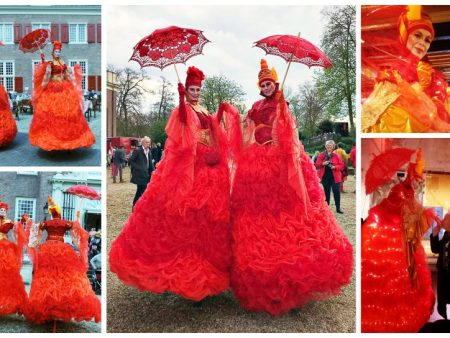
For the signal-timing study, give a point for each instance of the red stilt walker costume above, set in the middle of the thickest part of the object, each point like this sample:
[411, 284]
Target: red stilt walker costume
[178, 237]
[396, 292]
[58, 121]
[13, 297]
[8, 128]
[288, 247]
[60, 289]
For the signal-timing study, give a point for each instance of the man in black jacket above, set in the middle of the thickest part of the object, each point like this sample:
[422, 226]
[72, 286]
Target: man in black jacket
[141, 167]
[442, 248]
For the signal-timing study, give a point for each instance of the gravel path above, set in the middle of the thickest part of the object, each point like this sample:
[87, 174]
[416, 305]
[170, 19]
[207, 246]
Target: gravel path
[130, 310]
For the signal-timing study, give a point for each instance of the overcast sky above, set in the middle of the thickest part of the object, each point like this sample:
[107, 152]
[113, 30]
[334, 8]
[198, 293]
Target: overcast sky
[231, 30]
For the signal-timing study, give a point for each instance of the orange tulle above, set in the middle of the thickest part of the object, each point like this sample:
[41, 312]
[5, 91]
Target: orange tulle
[390, 300]
[284, 255]
[13, 297]
[8, 128]
[58, 122]
[60, 289]
[178, 237]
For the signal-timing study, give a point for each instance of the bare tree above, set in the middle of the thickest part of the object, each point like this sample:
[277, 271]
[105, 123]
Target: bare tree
[162, 108]
[337, 85]
[216, 89]
[129, 97]
[311, 108]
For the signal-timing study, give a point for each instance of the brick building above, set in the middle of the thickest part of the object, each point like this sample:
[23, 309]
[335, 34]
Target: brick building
[27, 191]
[77, 27]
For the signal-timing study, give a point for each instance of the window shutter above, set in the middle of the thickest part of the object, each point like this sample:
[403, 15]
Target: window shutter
[17, 32]
[99, 33]
[91, 82]
[99, 83]
[18, 84]
[54, 35]
[64, 33]
[27, 28]
[91, 33]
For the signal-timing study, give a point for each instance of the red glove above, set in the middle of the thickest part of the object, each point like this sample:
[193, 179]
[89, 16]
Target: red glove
[222, 107]
[182, 105]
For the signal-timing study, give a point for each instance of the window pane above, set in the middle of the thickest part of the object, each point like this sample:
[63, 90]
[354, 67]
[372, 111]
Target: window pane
[72, 33]
[82, 36]
[25, 207]
[9, 33]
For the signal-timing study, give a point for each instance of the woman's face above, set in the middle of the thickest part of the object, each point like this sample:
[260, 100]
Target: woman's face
[419, 42]
[57, 53]
[193, 93]
[267, 88]
[329, 147]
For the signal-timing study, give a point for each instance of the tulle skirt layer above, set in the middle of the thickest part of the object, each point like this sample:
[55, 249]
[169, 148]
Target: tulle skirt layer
[180, 246]
[8, 128]
[58, 122]
[60, 289]
[13, 296]
[390, 300]
[285, 254]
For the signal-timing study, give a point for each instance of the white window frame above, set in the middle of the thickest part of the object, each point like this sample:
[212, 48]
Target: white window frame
[3, 76]
[40, 24]
[77, 34]
[32, 216]
[2, 36]
[33, 67]
[27, 173]
[84, 82]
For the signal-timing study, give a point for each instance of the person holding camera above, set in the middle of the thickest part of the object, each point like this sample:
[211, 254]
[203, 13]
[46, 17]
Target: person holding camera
[329, 166]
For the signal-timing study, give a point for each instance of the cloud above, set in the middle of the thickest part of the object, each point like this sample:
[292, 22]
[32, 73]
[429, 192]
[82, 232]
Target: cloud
[232, 30]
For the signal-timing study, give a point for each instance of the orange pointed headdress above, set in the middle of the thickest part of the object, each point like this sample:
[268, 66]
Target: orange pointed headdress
[266, 74]
[411, 19]
[53, 208]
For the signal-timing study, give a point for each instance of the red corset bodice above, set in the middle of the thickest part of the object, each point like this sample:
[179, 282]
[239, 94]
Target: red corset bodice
[205, 120]
[58, 70]
[4, 229]
[263, 114]
[56, 229]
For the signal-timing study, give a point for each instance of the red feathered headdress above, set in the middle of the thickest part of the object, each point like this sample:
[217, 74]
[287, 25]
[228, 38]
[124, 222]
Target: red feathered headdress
[4, 205]
[57, 45]
[194, 77]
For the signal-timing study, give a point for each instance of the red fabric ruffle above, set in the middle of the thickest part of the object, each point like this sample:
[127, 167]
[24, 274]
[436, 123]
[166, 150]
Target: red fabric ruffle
[13, 297]
[284, 255]
[8, 128]
[60, 289]
[389, 301]
[58, 121]
[178, 237]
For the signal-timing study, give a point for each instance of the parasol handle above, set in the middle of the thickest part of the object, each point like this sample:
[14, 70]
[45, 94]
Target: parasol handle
[176, 71]
[289, 65]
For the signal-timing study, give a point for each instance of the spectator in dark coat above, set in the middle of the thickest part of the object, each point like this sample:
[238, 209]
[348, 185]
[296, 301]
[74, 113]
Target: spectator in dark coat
[118, 160]
[141, 167]
[330, 166]
[442, 247]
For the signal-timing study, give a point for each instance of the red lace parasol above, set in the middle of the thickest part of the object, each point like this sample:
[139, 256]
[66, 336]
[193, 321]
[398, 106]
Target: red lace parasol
[35, 40]
[385, 165]
[84, 191]
[168, 46]
[294, 49]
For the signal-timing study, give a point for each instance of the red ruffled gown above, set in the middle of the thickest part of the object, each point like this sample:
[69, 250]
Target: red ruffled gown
[58, 121]
[178, 237]
[8, 128]
[288, 247]
[13, 296]
[60, 289]
[391, 299]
